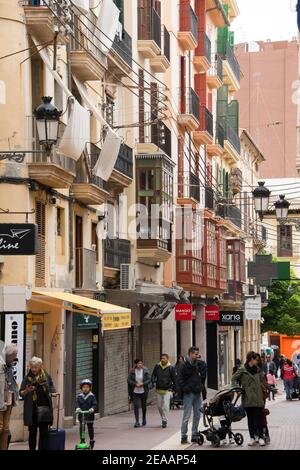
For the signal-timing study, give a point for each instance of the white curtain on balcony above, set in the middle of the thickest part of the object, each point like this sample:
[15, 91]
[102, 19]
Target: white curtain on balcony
[77, 133]
[82, 6]
[111, 147]
[108, 24]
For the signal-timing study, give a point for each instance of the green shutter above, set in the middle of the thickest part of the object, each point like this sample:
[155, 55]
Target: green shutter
[222, 40]
[222, 106]
[233, 115]
[231, 39]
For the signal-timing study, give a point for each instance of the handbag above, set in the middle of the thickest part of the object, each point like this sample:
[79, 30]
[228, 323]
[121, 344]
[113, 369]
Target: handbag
[44, 414]
[265, 391]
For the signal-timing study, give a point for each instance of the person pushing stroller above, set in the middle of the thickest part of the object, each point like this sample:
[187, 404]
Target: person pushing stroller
[86, 401]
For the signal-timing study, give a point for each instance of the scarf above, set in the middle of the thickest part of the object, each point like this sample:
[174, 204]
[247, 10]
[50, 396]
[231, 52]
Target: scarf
[164, 367]
[39, 380]
[252, 370]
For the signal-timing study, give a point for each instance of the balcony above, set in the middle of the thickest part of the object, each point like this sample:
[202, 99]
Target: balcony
[205, 134]
[88, 62]
[149, 32]
[120, 56]
[190, 191]
[236, 180]
[188, 27]
[232, 146]
[162, 137]
[234, 291]
[231, 68]
[209, 198]
[122, 174]
[154, 250]
[161, 63]
[85, 268]
[116, 252]
[190, 110]
[202, 57]
[215, 74]
[40, 21]
[231, 213]
[189, 270]
[216, 149]
[216, 12]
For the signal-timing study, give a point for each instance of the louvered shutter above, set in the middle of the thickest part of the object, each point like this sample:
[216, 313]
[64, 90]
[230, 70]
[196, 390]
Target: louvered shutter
[40, 259]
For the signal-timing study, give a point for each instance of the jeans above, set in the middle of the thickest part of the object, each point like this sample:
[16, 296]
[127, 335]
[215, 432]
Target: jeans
[288, 387]
[139, 399]
[254, 416]
[4, 427]
[191, 401]
[43, 439]
[163, 405]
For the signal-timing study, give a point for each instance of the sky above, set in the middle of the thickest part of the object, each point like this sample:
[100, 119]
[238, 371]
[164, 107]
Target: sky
[265, 19]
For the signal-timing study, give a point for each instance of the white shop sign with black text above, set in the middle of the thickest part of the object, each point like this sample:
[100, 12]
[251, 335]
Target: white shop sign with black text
[253, 307]
[14, 333]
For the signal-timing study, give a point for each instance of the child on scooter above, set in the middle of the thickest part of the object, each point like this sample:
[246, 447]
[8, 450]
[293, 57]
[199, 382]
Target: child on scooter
[86, 401]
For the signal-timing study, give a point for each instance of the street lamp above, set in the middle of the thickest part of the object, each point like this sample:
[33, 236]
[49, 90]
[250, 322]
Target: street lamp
[281, 208]
[261, 196]
[47, 120]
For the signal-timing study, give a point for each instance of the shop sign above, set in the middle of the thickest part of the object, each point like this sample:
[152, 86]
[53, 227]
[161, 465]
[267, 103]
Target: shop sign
[253, 308]
[183, 312]
[234, 318]
[88, 322]
[116, 321]
[14, 333]
[18, 239]
[212, 312]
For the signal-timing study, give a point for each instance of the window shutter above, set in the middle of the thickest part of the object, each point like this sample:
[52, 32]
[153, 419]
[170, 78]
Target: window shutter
[233, 115]
[40, 259]
[183, 83]
[141, 106]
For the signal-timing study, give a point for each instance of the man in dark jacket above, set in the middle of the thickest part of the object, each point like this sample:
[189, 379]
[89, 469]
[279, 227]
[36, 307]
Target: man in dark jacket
[139, 380]
[164, 377]
[203, 371]
[190, 386]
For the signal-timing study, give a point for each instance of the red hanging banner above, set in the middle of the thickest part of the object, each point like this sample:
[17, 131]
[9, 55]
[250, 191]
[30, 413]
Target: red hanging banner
[212, 313]
[183, 312]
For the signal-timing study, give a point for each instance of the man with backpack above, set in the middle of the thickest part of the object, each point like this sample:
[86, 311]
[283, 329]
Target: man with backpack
[163, 376]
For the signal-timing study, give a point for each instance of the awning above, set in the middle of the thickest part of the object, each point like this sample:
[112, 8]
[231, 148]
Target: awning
[87, 306]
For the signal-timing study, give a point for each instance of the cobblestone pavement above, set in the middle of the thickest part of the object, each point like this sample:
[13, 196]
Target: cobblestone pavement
[117, 433]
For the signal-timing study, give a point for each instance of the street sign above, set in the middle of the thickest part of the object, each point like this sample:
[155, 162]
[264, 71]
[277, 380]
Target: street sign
[212, 313]
[18, 239]
[183, 312]
[87, 322]
[231, 318]
[253, 307]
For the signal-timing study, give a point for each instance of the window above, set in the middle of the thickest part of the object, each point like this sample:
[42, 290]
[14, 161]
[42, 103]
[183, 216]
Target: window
[285, 241]
[59, 221]
[95, 240]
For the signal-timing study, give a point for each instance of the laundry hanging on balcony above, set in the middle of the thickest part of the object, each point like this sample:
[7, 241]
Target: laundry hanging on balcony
[77, 133]
[83, 6]
[111, 147]
[108, 24]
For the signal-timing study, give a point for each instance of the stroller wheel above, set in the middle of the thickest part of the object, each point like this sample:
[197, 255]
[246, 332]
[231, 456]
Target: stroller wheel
[239, 439]
[216, 441]
[200, 440]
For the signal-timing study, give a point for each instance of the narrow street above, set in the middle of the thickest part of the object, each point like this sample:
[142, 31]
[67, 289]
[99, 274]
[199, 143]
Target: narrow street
[117, 433]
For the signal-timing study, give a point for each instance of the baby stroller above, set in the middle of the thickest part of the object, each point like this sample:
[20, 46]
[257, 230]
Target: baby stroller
[222, 405]
[296, 389]
[176, 401]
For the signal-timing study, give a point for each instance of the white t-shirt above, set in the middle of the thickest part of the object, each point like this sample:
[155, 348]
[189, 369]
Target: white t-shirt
[139, 373]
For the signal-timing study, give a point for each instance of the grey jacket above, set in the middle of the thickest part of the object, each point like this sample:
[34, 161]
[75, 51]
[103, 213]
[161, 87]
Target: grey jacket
[7, 380]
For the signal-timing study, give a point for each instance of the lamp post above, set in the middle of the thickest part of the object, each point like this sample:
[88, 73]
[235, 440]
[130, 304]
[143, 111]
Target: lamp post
[47, 120]
[261, 196]
[281, 208]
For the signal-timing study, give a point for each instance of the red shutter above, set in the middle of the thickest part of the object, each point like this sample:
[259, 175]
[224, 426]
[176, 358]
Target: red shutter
[183, 84]
[184, 15]
[200, 10]
[201, 87]
[210, 102]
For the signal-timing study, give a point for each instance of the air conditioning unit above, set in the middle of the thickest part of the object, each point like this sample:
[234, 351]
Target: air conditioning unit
[127, 277]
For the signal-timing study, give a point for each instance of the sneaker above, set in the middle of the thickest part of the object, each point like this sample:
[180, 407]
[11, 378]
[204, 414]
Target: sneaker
[184, 440]
[164, 424]
[256, 439]
[137, 425]
[92, 443]
[252, 442]
[261, 442]
[194, 438]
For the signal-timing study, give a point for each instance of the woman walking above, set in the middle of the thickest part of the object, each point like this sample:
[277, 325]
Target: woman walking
[139, 379]
[36, 390]
[288, 377]
[8, 391]
[249, 377]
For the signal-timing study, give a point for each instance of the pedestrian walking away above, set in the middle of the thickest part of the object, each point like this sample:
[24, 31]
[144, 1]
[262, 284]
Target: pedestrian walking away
[36, 389]
[269, 365]
[86, 401]
[163, 376]
[190, 387]
[288, 377]
[139, 380]
[250, 378]
[271, 379]
[8, 391]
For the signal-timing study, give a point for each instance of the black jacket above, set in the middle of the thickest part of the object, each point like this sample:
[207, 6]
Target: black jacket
[43, 399]
[85, 403]
[189, 378]
[132, 381]
[164, 378]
